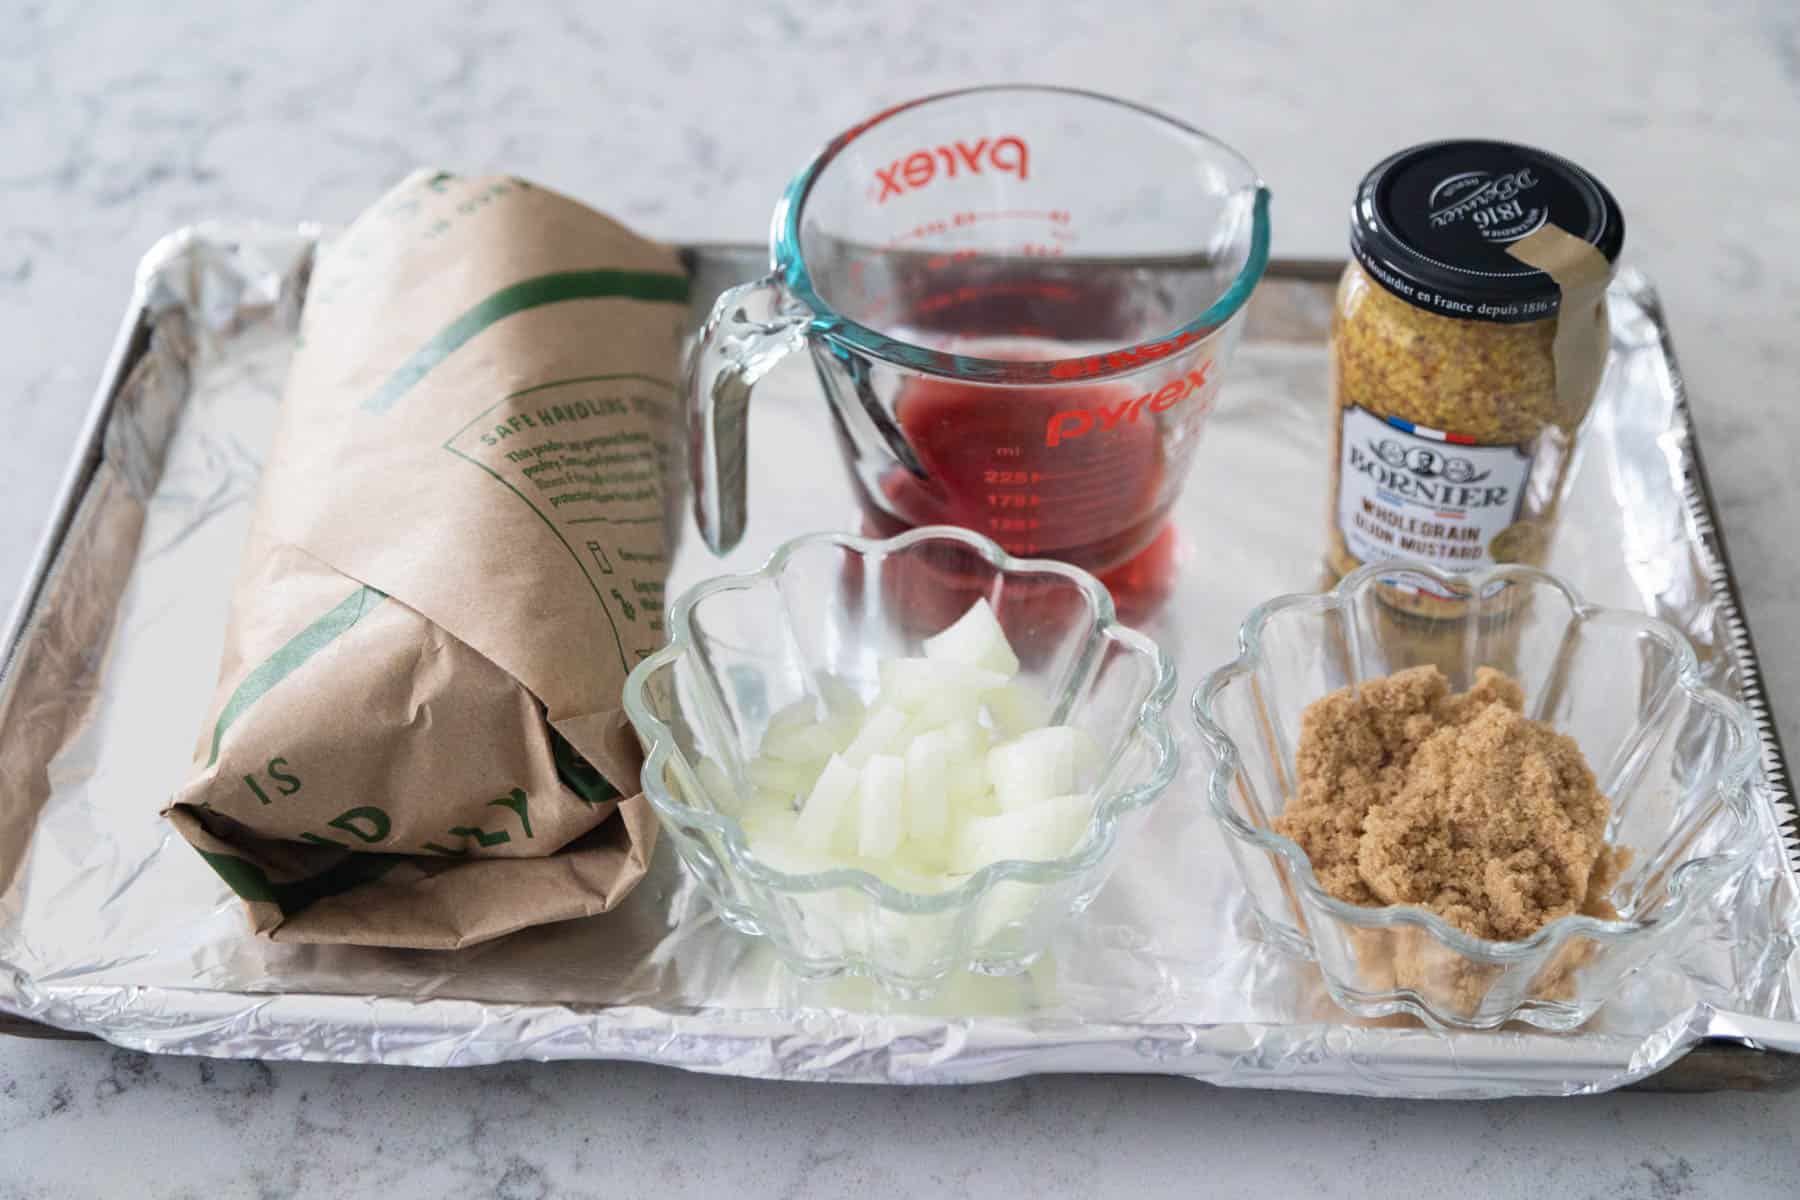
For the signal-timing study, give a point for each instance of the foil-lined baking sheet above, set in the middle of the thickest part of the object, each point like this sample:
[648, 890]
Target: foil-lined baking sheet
[110, 924]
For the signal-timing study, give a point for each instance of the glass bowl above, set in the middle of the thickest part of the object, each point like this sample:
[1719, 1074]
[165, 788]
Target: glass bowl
[1674, 757]
[742, 647]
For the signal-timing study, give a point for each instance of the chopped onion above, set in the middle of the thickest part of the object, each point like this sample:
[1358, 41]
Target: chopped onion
[812, 742]
[916, 787]
[1040, 764]
[1017, 708]
[1048, 829]
[882, 733]
[841, 701]
[883, 801]
[976, 640]
[928, 787]
[804, 711]
[824, 817]
[913, 683]
[945, 709]
[765, 822]
[781, 778]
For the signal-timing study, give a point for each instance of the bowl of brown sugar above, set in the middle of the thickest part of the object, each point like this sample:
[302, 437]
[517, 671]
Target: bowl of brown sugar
[1494, 813]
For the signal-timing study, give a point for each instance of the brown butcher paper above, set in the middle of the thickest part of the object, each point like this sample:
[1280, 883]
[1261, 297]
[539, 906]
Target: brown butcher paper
[457, 555]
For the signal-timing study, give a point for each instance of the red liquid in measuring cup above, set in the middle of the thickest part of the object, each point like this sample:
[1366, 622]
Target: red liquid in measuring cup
[1036, 470]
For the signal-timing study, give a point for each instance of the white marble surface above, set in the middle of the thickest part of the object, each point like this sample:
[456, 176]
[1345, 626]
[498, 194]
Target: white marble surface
[121, 121]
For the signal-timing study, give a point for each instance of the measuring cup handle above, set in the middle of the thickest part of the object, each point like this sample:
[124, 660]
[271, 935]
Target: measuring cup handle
[752, 327]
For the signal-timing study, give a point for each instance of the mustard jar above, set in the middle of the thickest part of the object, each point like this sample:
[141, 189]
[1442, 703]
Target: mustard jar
[1467, 345]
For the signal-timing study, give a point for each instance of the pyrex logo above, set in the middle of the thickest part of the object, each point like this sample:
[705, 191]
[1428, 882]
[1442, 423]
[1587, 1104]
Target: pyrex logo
[1008, 154]
[1072, 423]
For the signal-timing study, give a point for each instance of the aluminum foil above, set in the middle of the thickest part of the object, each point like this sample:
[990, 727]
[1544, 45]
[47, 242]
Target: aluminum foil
[111, 925]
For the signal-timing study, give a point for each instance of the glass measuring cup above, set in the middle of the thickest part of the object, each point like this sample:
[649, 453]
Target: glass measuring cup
[1020, 302]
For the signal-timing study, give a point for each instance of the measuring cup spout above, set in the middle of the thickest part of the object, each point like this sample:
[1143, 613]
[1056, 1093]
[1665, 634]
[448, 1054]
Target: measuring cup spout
[752, 327]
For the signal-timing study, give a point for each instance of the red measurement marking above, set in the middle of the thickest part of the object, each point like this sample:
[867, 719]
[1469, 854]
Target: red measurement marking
[939, 262]
[962, 220]
[1055, 215]
[1135, 356]
[974, 294]
[1010, 478]
[1088, 500]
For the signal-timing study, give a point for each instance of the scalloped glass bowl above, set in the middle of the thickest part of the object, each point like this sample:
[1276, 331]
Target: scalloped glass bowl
[1675, 758]
[742, 647]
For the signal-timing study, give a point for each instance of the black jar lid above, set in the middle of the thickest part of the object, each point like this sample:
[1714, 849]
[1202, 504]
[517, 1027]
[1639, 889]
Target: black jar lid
[1432, 224]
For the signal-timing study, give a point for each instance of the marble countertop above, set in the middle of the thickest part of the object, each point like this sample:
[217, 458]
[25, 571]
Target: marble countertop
[120, 122]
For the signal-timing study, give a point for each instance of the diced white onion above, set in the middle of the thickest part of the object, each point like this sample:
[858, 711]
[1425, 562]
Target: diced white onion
[1046, 830]
[952, 767]
[804, 711]
[824, 817]
[976, 640]
[913, 683]
[883, 801]
[781, 778]
[1038, 765]
[928, 787]
[881, 733]
[814, 741]
[1017, 708]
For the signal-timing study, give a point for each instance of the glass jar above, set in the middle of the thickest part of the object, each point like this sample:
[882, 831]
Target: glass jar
[1460, 376]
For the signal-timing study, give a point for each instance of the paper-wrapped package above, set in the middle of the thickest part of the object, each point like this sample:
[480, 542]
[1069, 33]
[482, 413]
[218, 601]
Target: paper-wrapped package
[456, 557]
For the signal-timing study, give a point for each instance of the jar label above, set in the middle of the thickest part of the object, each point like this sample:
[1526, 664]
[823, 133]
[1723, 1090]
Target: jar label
[1412, 492]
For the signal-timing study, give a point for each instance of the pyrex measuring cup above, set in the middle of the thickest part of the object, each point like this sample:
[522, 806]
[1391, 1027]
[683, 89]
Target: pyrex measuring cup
[1020, 301]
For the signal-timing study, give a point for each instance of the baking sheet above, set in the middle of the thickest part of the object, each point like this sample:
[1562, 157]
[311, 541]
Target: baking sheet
[111, 925]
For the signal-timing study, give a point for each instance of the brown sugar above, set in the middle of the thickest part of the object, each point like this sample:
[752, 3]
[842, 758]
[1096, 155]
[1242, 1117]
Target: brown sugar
[1457, 803]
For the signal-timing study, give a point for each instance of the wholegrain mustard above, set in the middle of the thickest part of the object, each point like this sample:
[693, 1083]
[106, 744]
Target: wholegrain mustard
[1451, 439]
